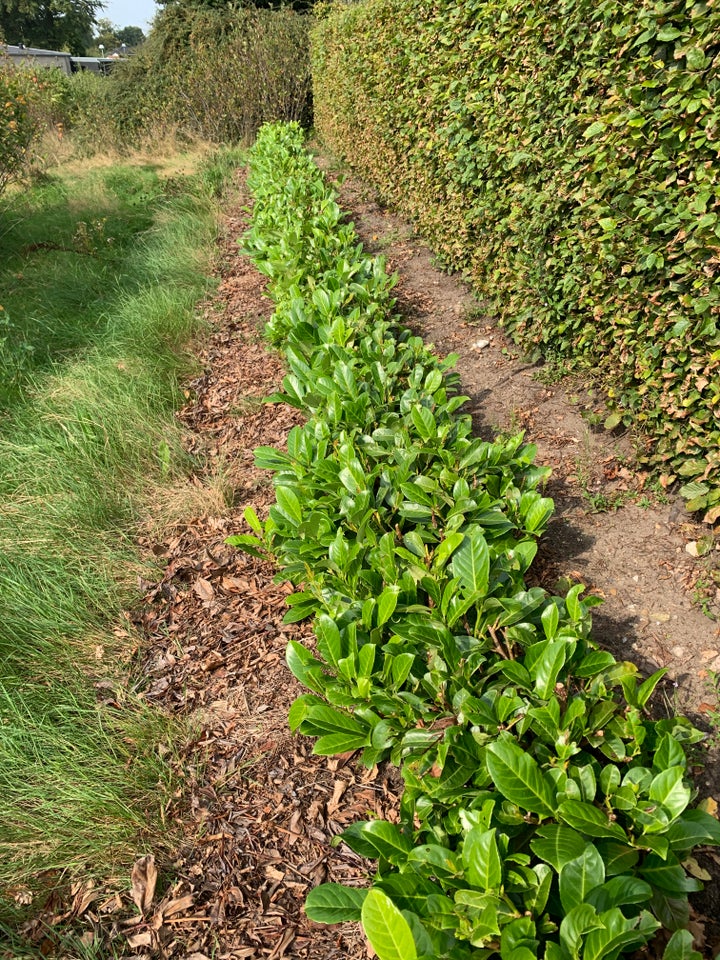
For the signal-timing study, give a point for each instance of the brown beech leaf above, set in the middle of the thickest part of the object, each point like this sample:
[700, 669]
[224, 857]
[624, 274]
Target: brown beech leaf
[204, 589]
[143, 879]
[144, 939]
[176, 906]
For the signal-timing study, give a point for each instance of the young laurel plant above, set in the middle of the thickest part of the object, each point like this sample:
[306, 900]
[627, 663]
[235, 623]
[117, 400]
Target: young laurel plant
[544, 813]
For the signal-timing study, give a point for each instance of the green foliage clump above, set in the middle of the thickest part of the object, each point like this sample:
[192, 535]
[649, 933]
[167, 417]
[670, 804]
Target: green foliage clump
[49, 24]
[544, 813]
[564, 156]
[217, 73]
[16, 128]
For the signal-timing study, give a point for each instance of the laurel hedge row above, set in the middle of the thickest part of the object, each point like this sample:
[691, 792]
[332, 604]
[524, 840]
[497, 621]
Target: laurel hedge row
[543, 812]
[564, 156]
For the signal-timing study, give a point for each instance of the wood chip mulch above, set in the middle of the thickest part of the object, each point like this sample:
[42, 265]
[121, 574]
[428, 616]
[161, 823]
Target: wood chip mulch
[257, 812]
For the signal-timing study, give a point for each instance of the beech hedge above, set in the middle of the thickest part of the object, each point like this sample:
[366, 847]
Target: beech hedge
[545, 813]
[565, 157]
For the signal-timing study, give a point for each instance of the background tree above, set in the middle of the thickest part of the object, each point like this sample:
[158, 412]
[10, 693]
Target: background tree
[130, 36]
[112, 37]
[301, 6]
[106, 33]
[52, 24]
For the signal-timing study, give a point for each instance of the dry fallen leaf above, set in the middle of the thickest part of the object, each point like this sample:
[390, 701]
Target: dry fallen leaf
[204, 589]
[176, 906]
[143, 879]
[144, 939]
[695, 870]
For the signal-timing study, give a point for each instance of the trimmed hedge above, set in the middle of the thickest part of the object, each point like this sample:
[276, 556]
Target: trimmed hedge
[565, 156]
[544, 812]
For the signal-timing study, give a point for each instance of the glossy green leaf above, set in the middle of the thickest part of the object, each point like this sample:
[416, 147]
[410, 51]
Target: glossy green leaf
[288, 504]
[668, 789]
[519, 778]
[589, 820]
[680, 947]
[334, 903]
[580, 876]
[481, 859]
[471, 563]
[557, 845]
[385, 927]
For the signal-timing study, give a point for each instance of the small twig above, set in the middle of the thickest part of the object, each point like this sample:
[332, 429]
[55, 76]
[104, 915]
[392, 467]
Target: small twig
[506, 651]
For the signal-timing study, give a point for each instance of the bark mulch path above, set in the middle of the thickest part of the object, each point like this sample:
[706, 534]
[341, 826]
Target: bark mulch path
[257, 811]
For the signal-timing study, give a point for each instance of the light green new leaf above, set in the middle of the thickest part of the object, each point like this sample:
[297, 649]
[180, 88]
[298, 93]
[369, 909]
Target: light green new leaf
[252, 520]
[386, 928]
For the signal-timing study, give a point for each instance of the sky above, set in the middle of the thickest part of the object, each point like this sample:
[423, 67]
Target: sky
[129, 13]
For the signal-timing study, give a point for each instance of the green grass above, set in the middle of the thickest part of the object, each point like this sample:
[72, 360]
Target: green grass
[87, 424]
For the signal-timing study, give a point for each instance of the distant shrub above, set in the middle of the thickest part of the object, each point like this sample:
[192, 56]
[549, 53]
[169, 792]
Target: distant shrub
[566, 157]
[218, 74]
[31, 101]
[16, 128]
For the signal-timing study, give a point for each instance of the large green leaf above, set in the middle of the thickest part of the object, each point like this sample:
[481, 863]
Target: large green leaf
[333, 743]
[557, 845]
[680, 947]
[580, 876]
[481, 859]
[329, 639]
[386, 928]
[575, 924]
[619, 891]
[387, 839]
[667, 875]
[548, 666]
[518, 777]
[288, 504]
[334, 903]
[668, 789]
[471, 562]
[589, 820]
[386, 604]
